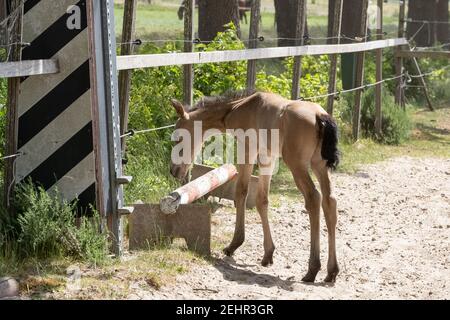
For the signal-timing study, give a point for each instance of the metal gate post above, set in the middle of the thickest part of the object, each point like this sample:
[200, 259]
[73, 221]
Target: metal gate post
[108, 119]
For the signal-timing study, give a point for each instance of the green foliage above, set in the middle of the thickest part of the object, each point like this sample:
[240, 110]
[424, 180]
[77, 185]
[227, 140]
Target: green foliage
[3, 101]
[46, 227]
[9, 249]
[150, 171]
[388, 68]
[149, 154]
[217, 78]
[396, 123]
[3, 92]
[314, 80]
[92, 245]
[438, 82]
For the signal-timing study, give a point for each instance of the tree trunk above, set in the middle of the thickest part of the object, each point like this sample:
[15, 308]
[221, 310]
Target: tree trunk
[351, 19]
[286, 19]
[443, 30]
[214, 14]
[2, 10]
[422, 10]
[331, 5]
[2, 17]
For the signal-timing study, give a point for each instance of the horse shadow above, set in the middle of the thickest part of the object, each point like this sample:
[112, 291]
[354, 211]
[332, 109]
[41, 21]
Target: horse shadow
[234, 272]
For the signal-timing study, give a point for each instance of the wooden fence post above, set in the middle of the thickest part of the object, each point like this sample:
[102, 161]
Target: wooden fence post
[188, 70]
[253, 43]
[299, 41]
[127, 48]
[360, 74]
[336, 34]
[399, 60]
[379, 72]
[11, 111]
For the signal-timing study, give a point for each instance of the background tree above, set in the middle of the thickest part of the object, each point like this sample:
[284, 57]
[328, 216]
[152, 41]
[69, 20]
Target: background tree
[331, 5]
[2, 10]
[214, 14]
[430, 33]
[351, 19]
[443, 30]
[421, 10]
[286, 19]
[2, 17]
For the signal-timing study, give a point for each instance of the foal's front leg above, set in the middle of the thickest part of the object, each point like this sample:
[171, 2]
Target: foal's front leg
[243, 180]
[262, 205]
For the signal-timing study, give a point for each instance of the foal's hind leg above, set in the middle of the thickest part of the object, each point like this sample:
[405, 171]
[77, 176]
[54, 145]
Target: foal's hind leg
[329, 208]
[312, 204]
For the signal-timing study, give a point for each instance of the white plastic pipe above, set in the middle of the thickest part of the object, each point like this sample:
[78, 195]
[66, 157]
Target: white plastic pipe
[197, 188]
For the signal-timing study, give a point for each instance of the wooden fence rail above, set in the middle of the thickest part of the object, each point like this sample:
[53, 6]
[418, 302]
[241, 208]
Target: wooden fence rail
[28, 68]
[183, 58]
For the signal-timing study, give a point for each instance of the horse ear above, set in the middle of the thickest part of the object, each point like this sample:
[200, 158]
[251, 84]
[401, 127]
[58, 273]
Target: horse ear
[180, 109]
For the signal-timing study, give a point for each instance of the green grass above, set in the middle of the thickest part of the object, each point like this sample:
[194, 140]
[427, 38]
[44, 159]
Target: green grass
[153, 22]
[430, 137]
[160, 21]
[43, 279]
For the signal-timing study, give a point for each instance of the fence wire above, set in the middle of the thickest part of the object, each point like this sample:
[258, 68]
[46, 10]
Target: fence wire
[7, 36]
[406, 78]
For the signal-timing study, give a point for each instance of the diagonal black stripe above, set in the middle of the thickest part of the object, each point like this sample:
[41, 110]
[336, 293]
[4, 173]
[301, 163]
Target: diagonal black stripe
[29, 4]
[64, 159]
[53, 104]
[85, 200]
[55, 37]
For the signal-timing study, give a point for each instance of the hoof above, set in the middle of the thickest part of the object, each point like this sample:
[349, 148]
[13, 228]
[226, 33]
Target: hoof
[267, 261]
[228, 251]
[310, 276]
[331, 277]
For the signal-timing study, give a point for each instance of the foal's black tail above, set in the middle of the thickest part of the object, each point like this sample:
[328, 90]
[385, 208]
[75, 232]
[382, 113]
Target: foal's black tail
[329, 133]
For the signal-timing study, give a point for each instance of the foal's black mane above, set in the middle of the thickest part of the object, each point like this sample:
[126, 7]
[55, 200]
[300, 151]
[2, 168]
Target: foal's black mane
[225, 98]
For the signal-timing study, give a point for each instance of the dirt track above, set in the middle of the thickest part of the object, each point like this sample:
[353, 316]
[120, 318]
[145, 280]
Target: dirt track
[393, 242]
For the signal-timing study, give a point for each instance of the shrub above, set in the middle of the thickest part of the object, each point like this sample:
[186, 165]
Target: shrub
[314, 80]
[149, 154]
[46, 227]
[396, 123]
[217, 78]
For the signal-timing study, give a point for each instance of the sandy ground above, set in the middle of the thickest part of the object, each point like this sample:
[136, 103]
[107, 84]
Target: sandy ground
[393, 242]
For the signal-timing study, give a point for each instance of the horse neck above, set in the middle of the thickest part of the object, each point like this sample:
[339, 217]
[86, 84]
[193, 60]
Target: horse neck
[213, 117]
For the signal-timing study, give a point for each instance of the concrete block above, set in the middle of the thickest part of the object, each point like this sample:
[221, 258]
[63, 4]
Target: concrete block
[148, 225]
[9, 287]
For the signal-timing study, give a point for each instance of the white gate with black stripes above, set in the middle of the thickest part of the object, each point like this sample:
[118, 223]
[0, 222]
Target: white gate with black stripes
[55, 119]
[68, 123]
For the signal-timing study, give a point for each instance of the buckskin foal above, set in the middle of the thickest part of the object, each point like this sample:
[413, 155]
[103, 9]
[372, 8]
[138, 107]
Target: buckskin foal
[307, 138]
